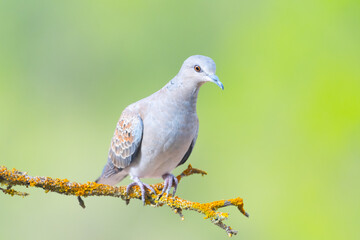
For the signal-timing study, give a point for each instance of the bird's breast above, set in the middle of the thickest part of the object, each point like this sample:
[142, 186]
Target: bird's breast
[171, 132]
[169, 127]
[165, 142]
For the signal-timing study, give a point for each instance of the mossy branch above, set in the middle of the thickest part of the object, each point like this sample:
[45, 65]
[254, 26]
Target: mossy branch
[14, 177]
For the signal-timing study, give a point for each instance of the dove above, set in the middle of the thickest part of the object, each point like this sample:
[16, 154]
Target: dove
[157, 134]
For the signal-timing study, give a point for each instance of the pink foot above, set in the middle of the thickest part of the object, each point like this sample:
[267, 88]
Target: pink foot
[142, 187]
[169, 181]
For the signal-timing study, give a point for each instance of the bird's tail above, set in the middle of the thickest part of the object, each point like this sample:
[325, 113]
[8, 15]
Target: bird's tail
[111, 175]
[111, 180]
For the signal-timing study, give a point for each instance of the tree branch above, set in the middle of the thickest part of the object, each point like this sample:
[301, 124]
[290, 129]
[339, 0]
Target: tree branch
[14, 177]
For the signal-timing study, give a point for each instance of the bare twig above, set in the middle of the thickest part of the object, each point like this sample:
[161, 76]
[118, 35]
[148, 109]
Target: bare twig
[63, 186]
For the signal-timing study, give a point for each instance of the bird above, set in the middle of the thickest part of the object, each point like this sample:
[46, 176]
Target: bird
[157, 134]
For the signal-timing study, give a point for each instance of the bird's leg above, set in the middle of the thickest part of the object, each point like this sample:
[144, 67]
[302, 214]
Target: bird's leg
[142, 187]
[169, 181]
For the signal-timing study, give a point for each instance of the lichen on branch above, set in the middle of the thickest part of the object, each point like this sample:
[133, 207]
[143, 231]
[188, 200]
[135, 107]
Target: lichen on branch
[14, 177]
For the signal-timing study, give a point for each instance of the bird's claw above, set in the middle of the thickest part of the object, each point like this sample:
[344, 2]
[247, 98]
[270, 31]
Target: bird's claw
[169, 181]
[142, 187]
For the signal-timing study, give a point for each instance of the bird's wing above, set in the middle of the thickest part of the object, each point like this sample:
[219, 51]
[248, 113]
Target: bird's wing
[188, 152]
[126, 141]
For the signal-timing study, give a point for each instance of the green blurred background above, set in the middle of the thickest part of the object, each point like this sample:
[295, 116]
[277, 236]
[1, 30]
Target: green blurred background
[284, 134]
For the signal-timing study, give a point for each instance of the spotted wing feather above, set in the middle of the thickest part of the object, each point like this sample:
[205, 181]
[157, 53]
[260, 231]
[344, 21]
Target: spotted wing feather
[126, 141]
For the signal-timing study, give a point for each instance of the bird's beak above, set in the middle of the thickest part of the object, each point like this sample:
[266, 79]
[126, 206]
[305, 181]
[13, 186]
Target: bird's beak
[215, 79]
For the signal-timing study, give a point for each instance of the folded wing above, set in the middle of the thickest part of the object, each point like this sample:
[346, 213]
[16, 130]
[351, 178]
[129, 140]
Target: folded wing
[126, 141]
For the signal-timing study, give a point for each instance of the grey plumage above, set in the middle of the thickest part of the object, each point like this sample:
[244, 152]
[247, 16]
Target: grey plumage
[158, 133]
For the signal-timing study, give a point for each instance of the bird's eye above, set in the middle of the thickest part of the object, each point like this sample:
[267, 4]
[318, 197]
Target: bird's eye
[197, 68]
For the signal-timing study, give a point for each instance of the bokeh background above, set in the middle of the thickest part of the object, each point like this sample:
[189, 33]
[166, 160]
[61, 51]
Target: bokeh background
[284, 134]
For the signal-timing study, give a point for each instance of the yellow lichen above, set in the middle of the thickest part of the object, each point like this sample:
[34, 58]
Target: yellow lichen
[64, 186]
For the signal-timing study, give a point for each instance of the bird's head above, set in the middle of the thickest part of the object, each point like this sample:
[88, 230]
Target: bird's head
[199, 69]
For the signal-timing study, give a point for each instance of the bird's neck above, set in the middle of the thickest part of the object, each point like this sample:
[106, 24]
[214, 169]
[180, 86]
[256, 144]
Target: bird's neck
[192, 96]
[184, 95]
